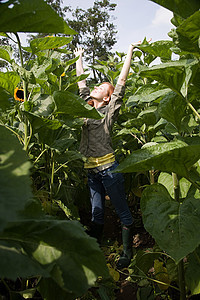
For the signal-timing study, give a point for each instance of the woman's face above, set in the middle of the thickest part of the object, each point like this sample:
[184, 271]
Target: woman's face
[100, 92]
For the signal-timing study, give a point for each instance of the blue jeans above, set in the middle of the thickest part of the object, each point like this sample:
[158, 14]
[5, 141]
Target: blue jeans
[102, 183]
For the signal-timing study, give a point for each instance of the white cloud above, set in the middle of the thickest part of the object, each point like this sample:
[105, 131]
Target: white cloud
[162, 17]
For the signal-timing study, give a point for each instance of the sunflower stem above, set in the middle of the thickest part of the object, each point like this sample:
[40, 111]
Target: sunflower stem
[52, 174]
[151, 176]
[25, 93]
[181, 271]
[60, 83]
[192, 108]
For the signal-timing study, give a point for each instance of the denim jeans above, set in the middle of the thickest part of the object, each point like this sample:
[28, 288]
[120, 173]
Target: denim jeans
[102, 183]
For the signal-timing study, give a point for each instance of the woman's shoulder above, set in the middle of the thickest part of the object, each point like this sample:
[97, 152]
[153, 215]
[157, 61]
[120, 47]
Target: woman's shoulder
[84, 93]
[119, 88]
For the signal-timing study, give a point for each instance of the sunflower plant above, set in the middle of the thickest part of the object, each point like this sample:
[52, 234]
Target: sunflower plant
[41, 115]
[157, 135]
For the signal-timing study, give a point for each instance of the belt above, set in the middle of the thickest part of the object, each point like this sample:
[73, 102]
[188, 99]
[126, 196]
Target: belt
[100, 168]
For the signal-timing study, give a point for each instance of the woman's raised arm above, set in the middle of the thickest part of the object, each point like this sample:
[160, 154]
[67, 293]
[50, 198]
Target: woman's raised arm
[127, 63]
[79, 66]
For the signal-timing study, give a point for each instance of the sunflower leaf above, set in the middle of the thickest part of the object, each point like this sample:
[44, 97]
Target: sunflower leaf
[31, 16]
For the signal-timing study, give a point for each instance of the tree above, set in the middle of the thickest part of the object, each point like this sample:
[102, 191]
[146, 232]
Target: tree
[96, 34]
[56, 5]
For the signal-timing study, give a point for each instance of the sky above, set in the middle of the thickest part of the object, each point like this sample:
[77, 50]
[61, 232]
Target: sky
[134, 20]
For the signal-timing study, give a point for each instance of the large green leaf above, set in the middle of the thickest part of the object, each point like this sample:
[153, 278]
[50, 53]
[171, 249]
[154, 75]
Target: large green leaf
[149, 115]
[147, 93]
[14, 263]
[6, 53]
[160, 49]
[172, 108]
[72, 259]
[38, 122]
[9, 81]
[5, 100]
[188, 34]
[48, 42]
[15, 187]
[43, 105]
[172, 224]
[50, 290]
[51, 132]
[42, 64]
[28, 76]
[31, 16]
[174, 156]
[71, 104]
[176, 74]
[183, 8]
[192, 274]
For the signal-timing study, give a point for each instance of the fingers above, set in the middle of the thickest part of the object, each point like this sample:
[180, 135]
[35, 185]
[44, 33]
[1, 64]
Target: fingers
[136, 44]
[78, 50]
[139, 43]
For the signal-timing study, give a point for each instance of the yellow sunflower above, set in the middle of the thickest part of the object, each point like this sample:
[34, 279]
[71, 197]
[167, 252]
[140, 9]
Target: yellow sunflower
[19, 94]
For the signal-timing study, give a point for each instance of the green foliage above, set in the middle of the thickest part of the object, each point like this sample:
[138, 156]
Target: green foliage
[37, 16]
[156, 139]
[175, 156]
[46, 43]
[162, 114]
[15, 187]
[55, 246]
[176, 75]
[185, 8]
[172, 224]
[9, 81]
[54, 249]
[192, 272]
[186, 36]
[70, 104]
[39, 182]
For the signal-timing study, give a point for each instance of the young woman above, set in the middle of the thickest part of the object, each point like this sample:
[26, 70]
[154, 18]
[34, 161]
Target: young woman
[97, 148]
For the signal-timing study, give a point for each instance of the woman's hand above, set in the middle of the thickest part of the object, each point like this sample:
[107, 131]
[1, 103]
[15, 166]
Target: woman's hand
[127, 63]
[136, 44]
[139, 43]
[78, 51]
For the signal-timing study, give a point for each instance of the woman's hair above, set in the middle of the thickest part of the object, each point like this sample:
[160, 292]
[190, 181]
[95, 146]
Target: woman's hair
[110, 91]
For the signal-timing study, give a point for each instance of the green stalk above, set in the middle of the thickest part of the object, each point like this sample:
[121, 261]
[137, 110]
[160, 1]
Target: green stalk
[192, 108]
[194, 183]
[60, 83]
[181, 275]
[181, 279]
[176, 187]
[151, 176]
[52, 174]
[40, 155]
[25, 94]
[18, 136]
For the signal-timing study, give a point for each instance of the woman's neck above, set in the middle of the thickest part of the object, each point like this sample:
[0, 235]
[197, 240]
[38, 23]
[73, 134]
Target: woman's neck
[97, 103]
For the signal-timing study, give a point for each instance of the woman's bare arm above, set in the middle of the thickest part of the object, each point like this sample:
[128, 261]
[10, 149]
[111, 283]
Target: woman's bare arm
[127, 63]
[79, 66]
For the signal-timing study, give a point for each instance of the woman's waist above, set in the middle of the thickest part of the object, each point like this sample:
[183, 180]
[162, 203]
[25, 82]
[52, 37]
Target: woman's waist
[104, 161]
